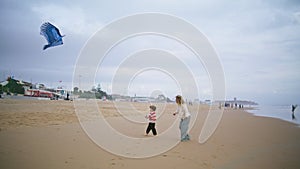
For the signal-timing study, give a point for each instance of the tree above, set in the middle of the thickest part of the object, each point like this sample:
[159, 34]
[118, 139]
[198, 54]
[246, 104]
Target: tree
[14, 87]
[95, 92]
[87, 95]
[98, 88]
[1, 89]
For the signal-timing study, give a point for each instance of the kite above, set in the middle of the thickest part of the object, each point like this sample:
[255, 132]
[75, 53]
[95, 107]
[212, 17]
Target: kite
[52, 35]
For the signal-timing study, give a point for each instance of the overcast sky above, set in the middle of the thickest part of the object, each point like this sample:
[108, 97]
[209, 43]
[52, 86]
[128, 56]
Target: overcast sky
[258, 43]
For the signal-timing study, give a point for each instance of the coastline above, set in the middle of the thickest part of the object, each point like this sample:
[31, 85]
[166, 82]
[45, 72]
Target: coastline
[282, 112]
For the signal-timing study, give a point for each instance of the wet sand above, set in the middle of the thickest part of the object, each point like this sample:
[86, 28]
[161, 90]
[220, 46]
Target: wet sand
[47, 134]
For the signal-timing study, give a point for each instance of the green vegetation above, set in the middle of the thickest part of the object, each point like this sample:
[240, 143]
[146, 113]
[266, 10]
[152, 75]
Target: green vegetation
[95, 93]
[12, 87]
[1, 89]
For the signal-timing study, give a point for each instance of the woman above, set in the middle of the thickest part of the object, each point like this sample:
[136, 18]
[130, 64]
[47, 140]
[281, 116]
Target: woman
[185, 118]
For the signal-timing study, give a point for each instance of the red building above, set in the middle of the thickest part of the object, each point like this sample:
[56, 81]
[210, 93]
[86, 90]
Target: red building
[38, 93]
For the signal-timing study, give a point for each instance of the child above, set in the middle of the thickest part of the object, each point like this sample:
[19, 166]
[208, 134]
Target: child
[152, 119]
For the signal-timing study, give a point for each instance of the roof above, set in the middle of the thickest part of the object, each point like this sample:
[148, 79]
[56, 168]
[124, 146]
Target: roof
[4, 83]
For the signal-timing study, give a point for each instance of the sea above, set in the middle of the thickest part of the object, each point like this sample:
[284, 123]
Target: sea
[283, 112]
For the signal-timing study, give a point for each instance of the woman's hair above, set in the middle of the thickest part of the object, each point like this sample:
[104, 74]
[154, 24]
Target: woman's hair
[179, 100]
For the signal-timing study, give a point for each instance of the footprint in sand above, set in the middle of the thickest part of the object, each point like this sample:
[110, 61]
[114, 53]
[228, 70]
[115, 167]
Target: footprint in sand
[69, 159]
[113, 163]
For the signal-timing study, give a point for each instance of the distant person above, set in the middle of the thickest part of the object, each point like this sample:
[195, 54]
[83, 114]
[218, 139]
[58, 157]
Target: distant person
[185, 118]
[68, 95]
[294, 107]
[293, 111]
[151, 116]
[293, 116]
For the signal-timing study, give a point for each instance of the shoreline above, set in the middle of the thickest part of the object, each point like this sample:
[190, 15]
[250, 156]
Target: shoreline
[281, 112]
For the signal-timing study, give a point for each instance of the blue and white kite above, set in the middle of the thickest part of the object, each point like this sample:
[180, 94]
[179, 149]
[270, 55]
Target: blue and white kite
[52, 35]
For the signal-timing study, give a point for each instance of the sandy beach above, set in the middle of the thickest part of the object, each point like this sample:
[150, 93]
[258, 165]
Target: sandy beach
[44, 134]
